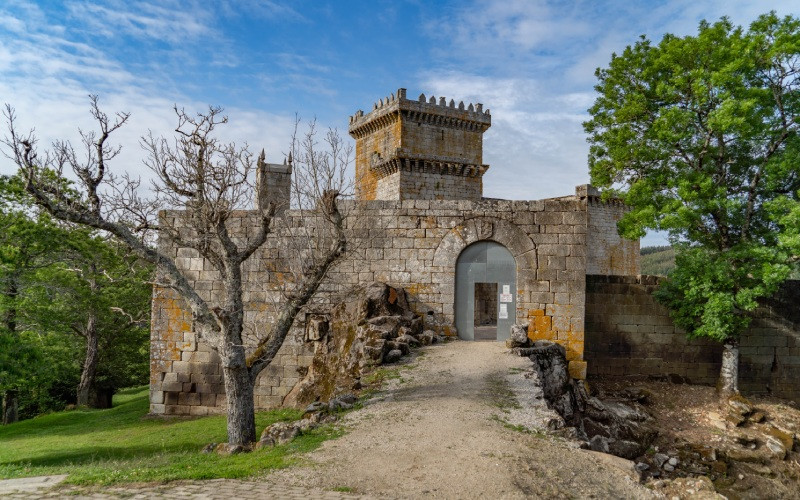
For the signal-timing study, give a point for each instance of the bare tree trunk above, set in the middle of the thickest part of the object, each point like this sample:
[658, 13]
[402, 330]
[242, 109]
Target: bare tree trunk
[86, 385]
[729, 372]
[10, 407]
[239, 398]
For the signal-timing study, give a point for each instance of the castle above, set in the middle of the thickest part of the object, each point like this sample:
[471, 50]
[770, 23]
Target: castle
[473, 266]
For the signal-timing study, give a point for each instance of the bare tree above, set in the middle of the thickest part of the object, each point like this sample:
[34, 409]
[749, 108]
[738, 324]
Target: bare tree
[208, 180]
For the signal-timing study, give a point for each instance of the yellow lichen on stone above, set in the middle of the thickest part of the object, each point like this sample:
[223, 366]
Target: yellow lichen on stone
[577, 369]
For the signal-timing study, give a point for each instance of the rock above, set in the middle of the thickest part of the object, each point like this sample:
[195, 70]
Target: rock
[626, 430]
[280, 432]
[740, 405]
[393, 356]
[641, 467]
[673, 461]
[719, 467]
[659, 459]
[209, 448]
[373, 355]
[638, 394]
[735, 418]
[306, 425]
[402, 346]
[759, 456]
[519, 336]
[427, 337]
[408, 339]
[624, 448]
[316, 406]
[336, 405]
[599, 443]
[669, 468]
[785, 437]
[746, 438]
[265, 442]
[758, 416]
[347, 397]
[776, 448]
[226, 449]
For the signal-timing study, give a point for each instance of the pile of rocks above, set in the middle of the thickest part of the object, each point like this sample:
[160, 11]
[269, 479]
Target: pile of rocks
[374, 327]
[316, 414]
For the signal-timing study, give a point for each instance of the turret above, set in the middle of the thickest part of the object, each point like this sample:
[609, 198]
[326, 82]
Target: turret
[273, 183]
[419, 149]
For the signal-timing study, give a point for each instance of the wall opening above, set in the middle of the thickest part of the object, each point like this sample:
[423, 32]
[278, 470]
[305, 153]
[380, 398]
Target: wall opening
[485, 292]
[485, 315]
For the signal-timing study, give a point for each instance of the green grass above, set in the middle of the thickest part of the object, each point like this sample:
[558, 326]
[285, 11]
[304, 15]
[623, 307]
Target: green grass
[122, 445]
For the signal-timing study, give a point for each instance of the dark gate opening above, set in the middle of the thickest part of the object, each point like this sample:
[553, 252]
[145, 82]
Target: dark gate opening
[485, 321]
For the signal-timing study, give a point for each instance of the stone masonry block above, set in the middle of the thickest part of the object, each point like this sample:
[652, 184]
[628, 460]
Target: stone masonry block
[577, 369]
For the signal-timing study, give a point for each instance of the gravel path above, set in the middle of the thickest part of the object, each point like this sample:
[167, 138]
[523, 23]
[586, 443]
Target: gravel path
[451, 426]
[446, 429]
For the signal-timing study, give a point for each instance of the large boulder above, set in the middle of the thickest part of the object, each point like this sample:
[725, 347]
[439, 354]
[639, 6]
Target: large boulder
[370, 328]
[615, 428]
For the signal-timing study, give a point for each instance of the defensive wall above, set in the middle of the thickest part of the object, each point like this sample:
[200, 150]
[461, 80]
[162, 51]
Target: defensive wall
[413, 244]
[628, 333]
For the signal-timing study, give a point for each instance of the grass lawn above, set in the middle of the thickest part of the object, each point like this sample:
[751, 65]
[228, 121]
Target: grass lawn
[121, 445]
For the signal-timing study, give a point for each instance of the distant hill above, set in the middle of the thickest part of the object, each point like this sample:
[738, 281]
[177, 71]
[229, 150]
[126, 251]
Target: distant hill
[657, 261]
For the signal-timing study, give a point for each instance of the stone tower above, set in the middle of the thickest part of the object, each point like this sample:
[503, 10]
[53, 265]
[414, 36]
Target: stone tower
[419, 149]
[273, 184]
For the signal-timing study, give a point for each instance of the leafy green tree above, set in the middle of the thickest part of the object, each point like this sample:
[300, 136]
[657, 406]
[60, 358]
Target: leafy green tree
[698, 135]
[100, 294]
[24, 243]
[74, 306]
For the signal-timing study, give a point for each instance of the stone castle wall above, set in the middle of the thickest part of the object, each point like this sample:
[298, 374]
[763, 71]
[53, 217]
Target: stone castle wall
[413, 244]
[608, 253]
[629, 333]
[428, 186]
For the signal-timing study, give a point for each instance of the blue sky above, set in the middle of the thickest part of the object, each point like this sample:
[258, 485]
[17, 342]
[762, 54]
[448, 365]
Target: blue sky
[531, 62]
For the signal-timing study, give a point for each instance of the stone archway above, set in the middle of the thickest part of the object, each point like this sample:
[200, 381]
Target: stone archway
[506, 233]
[476, 229]
[485, 292]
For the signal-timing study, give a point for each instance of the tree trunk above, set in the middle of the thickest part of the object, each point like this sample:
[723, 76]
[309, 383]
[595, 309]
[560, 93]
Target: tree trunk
[10, 407]
[729, 373]
[86, 385]
[10, 397]
[241, 407]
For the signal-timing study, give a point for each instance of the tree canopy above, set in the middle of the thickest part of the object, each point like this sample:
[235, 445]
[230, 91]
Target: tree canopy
[46, 302]
[698, 135]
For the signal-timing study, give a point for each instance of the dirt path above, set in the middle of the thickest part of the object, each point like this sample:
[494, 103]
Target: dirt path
[439, 431]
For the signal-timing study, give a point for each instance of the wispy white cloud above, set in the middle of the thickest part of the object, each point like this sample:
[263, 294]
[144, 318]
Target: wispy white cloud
[535, 146]
[47, 78]
[167, 21]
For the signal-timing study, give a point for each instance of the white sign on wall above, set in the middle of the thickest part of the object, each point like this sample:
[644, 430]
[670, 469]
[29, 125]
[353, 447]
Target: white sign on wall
[506, 289]
[503, 311]
[506, 297]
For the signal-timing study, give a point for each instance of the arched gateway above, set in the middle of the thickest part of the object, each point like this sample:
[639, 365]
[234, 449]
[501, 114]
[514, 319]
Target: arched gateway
[485, 292]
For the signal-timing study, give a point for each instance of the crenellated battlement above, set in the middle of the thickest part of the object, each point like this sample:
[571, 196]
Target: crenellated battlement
[470, 116]
[426, 148]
